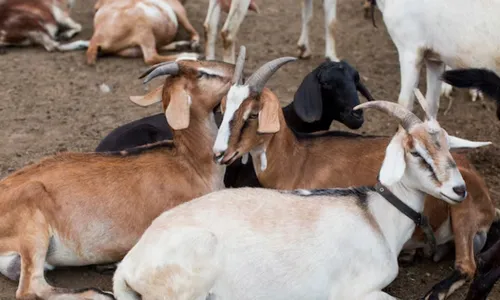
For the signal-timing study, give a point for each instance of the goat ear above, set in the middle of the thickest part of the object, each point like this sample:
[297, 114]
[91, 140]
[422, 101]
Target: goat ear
[269, 113]
[307, 101]
[150, 98]
[456, 143]
[177, 111]
[394, 164]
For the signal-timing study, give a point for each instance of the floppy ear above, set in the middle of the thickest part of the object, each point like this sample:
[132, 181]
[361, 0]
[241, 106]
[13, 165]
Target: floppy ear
[150, 98]
[269, 113]
[307, 101]
[177, 111]
[394, 164]
[456, 142]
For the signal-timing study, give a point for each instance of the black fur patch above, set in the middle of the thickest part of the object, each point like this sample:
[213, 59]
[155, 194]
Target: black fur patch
[360, 193]
[141, 149]
[326, 134]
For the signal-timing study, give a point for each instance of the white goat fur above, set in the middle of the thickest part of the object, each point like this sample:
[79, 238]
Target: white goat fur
[265, 244]
[458, 33]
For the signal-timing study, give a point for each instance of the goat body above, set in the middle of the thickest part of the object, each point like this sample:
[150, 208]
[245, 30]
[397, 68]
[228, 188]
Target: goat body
[91, 208]
[39, 22]
[135, 28]
[258, 243]
[437, 32]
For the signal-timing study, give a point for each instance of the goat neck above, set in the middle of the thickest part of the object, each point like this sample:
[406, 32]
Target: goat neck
[297, 124]
[195, 145]
[396, 226]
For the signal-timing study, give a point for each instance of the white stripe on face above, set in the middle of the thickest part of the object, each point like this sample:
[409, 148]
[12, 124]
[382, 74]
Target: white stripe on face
[235, 96]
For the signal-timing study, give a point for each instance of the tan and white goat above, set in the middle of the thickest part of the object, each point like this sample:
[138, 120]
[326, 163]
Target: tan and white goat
[38, 22]
[303, 244]
[283, 159]
[138, 28]
[76, 209]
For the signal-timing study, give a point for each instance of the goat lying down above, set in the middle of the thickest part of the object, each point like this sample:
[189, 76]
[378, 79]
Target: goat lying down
[412, 27]
[38, 22]
[327, 93]
[318, 244]
[287, 160]
[76, 209]
[138, 28]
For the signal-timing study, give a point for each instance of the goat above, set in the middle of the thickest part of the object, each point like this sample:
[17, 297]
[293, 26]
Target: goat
[462, 25]
[287, 160]
[137, 28]
[327, 93]
[237, 13]
[484, 80]
[76, 209]
[39, 22]
[319, 244]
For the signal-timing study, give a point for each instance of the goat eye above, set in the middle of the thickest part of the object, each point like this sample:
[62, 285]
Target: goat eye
[253, 116]
[415, 154]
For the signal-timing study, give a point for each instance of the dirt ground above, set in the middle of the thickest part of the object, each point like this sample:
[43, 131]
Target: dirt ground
[51, 102]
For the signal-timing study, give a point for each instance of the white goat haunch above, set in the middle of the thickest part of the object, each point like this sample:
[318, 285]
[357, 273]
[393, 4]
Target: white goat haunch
[304, 244]
[458, 33]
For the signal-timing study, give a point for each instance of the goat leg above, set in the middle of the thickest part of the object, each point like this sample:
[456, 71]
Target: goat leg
[482, 284]
[181, 14]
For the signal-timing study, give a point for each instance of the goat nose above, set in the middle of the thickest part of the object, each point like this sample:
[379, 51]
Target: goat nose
[460, 190]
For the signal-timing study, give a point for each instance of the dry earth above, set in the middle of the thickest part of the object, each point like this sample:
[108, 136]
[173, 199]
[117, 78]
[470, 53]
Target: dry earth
[51, 102]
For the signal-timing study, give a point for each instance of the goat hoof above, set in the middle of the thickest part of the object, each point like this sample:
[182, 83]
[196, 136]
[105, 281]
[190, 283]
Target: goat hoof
[195, 46]
[304, 53]
[3, 50]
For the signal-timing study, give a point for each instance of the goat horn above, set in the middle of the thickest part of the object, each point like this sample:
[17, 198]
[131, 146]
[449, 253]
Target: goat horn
[259, 78]
[166, 68]
[407, 118]
[238, 69]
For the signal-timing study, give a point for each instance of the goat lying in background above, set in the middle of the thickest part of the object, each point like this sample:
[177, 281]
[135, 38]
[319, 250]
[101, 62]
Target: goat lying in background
[317, 244]
[76, 209]
[287, 160]
[327, 93]
[484, 80]
[410, 25]
[135, 28]
[38, 22]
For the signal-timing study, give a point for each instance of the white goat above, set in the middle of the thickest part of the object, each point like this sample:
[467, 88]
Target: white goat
[458, 33]
[237, 12]
[303, 244]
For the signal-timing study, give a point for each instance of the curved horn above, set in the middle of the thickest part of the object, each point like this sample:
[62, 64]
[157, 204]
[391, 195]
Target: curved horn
[258, 80]
[238, 69]
[407, 118]
[167, 68]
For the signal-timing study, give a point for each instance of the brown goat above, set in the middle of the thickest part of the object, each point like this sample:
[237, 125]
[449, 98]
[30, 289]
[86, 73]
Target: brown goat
[286, 160]
[135, 28]
[39, 22]
[76, 209]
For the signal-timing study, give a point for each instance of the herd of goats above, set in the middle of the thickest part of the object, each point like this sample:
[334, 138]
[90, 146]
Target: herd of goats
[238, 198]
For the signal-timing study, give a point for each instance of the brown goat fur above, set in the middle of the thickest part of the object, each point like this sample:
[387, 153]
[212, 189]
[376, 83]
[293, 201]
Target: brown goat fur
[326, 160]
[39, 22]
[88, 208]
[135, 28]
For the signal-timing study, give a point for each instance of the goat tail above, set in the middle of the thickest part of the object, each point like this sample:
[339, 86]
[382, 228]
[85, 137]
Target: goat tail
[122, 290]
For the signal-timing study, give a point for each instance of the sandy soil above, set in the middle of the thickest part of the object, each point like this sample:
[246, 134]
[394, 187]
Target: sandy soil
[51, 102]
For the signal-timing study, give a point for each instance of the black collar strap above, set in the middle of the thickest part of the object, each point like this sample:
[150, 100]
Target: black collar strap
[419, 219]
